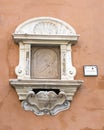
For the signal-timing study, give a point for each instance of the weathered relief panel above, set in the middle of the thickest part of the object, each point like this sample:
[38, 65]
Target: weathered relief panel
[45, 62]
[45, 74]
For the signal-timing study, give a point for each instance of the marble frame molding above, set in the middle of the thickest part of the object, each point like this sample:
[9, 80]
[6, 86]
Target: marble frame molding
[45, 31]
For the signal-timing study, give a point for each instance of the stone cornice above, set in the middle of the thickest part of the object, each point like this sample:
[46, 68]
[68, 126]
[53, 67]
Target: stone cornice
[33, 39]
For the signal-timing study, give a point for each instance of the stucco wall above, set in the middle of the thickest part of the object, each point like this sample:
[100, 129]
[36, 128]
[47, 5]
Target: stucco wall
[87, 108]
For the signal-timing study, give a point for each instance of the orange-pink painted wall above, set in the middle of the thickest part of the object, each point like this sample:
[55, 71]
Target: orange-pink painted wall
[87, 108]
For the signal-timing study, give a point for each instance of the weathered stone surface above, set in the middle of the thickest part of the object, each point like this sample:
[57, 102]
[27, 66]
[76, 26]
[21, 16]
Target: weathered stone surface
[42, 66]
[24, 86]
[45, 102]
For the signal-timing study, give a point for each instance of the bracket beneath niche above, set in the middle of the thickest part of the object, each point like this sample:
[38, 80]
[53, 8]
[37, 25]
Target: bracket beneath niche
[45, 75]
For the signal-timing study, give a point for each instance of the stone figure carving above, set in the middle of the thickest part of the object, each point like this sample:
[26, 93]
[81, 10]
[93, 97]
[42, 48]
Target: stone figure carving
[48, 68]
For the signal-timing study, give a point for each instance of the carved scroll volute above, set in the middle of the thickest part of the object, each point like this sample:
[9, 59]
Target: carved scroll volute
[23, 69]
[68, 71]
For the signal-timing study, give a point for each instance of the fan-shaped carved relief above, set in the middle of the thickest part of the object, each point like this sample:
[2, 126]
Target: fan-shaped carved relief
[45, 26]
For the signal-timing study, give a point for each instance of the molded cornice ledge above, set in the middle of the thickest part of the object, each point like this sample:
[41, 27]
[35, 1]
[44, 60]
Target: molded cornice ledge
[46, 101]
[69, 86]
[32, 39]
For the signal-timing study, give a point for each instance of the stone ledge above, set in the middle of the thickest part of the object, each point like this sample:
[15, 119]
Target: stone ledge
[46, 100]
[24, 86]
[32, 39]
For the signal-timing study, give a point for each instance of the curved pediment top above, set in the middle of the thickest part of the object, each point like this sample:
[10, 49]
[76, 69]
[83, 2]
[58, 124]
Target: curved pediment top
[45, 26]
